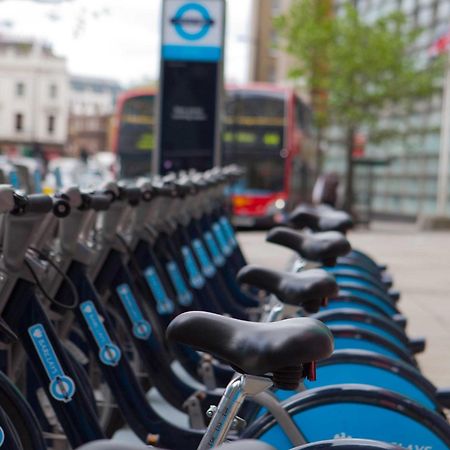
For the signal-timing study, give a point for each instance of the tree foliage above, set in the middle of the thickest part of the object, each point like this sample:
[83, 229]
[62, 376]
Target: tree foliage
[360, 67]
[354, 68]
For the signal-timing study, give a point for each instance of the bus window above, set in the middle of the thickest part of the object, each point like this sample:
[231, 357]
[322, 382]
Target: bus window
[253, 137]
[136, 136]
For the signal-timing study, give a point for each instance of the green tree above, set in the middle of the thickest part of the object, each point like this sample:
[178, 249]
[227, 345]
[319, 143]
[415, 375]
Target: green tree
[354, 68]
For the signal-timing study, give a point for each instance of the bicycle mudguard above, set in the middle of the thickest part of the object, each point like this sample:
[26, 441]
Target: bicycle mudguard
[353, 284]
[364, 367]
[356, 411]
[368, 321]
[353, 291]
[355, 303]
[365, 279]
[351, 337]
[349, 444]
[366, 259]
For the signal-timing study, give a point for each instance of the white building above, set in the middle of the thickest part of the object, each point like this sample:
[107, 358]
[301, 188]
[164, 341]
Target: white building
[34, 97]
[92, 96]
[92, 103]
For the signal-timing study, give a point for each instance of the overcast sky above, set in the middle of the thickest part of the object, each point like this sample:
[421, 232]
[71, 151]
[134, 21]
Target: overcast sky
[116, 38]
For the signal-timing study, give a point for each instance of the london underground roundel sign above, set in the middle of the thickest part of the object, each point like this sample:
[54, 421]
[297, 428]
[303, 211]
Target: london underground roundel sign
[192, 21]
[193, 30]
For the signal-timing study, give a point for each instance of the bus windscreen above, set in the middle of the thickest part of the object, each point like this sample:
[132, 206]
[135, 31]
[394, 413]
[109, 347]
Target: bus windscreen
[136, 136]
[253, 137]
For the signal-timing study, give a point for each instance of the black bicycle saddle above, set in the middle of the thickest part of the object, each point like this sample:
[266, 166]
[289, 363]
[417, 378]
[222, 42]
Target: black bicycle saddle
[280, 348]
[114, 445]
[320, 218]
[307, 289]
[324, 247]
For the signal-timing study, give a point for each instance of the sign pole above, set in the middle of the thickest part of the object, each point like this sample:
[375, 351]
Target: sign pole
[191, 86]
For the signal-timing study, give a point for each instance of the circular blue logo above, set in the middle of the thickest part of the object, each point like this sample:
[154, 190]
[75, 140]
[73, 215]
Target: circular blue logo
[185, 298]
[165, 307]
[110, 354]
[192, 21]
[209, 271]
[219, 260]
[142, 329]
[62, 388]
[197, 281]
[2, 436]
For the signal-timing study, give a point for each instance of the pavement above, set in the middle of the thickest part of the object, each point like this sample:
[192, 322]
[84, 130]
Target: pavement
[420, 264]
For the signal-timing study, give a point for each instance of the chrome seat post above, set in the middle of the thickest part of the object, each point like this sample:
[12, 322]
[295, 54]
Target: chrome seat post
[235, 393]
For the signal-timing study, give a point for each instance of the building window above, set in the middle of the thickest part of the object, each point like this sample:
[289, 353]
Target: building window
[20, 89]
[53, 91]
[19, 122]
[51, 124]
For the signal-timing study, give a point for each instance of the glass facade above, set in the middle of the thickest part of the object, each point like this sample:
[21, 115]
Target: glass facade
[408, 186]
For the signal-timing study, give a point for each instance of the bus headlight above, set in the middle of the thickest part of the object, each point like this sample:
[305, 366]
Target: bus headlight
[276, 207]
[280, 204]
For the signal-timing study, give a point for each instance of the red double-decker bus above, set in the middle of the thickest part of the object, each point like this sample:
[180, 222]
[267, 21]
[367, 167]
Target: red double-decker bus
[265, 129]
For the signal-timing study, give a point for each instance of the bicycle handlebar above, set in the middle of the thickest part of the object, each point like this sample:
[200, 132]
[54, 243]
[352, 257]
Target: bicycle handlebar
[96, 201]
[132, 194]
[34, 203]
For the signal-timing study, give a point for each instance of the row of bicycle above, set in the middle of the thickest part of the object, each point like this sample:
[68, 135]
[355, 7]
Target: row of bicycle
[124, 305]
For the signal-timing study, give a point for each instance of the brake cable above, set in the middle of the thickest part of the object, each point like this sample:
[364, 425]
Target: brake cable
[66, 279]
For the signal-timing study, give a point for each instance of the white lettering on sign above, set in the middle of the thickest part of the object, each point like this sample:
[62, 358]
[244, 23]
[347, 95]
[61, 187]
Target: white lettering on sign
[189, 113]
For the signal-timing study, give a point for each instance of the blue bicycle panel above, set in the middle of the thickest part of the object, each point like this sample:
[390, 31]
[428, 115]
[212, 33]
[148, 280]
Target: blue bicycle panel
[196, 279]
[61, 387]
[357, 420]
[229, 231]
[213, 248]
[222, 240]
[109, 353]
[37, 181]
[164, 305]
[354, 373]
[141, 327]
[346, 343]
[14, 179]
[208, 268]
[371, 327]
[184, 295]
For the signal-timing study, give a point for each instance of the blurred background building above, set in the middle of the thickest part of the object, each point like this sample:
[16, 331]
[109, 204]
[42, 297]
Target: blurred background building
[34, 98]
[269, 63]
[408, 186]
[92, 103]
[46, 112]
